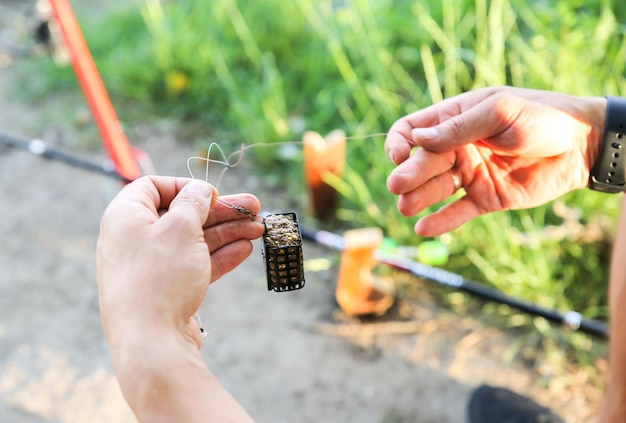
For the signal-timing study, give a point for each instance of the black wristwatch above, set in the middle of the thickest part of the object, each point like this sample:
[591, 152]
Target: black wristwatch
[609, 171]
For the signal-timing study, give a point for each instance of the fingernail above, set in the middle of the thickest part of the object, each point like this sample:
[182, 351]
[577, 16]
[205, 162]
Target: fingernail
[390, 155]
[424, 134]
[200, 188]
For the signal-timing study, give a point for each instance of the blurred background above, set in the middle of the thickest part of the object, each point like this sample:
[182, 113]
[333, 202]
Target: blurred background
[184, 74]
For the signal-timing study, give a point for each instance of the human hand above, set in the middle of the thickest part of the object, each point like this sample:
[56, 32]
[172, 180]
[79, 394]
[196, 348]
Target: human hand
[160, 248]
[162, 242]
[510, 148]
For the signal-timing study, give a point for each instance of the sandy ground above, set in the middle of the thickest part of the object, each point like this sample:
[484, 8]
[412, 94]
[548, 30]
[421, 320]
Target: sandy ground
[279, 354]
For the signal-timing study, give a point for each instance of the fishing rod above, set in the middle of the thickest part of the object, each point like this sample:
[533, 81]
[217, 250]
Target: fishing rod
[40, 148]
[570, 319]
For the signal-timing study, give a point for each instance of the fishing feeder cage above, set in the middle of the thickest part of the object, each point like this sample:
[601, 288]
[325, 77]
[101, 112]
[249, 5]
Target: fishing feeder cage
[284, 264]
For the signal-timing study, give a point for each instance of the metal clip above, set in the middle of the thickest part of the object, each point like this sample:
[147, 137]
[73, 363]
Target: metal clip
[252, 216]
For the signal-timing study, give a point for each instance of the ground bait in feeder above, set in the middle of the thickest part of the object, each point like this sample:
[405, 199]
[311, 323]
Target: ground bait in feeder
[283, 252]
[281, 231]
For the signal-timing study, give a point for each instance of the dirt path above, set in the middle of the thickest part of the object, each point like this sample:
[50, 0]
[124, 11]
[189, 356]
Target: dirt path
[267, 348]
[53, 359]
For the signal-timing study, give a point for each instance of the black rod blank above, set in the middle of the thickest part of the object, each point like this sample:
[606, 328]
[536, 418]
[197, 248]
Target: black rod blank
[570, 319]
[40, 148]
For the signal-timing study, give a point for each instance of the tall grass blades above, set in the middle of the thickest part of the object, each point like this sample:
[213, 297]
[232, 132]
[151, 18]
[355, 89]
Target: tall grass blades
[251, 69]
[361, 64]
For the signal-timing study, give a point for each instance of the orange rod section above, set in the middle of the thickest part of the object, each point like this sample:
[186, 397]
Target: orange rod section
[113, 138]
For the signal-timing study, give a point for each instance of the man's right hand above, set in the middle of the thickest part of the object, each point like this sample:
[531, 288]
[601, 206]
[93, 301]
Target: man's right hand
[510, 148]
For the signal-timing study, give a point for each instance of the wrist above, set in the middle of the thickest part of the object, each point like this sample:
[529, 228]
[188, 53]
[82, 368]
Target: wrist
[614, 403]
[596, 117]
[164, 379]
[608, 171]
[154, 368]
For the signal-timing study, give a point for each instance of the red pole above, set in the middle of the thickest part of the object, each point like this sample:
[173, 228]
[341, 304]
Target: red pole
[113, 138]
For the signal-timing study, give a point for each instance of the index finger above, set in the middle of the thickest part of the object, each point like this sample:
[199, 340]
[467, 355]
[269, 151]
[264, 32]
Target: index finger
[400, 141]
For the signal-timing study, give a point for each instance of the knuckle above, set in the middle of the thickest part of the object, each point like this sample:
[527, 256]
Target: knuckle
[457, 126]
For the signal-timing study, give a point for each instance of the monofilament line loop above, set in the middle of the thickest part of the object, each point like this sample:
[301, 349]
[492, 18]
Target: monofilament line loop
[225, 161]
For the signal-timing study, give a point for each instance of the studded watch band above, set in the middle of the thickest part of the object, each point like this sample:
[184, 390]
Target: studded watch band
[609, 171]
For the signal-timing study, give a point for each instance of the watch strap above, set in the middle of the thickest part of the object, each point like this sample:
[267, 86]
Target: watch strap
[609, 171]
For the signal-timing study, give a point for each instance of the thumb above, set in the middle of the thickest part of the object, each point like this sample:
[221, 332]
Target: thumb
[477, 123]
[194, 201]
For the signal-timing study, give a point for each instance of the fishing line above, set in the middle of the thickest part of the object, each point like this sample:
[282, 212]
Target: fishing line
[282, 239]
[571, 319]
[281, 143]
[227, 163]
[203, 331]
[226, 160]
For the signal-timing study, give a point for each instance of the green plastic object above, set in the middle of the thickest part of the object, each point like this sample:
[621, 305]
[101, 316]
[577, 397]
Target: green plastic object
[433, 253]
[388, 245]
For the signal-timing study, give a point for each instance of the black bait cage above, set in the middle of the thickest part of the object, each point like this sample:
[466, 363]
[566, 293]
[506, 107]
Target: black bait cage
[283, 253]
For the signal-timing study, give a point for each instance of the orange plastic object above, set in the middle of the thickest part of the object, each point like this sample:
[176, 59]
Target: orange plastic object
[321, 156]
[113, 137]
[357, 291]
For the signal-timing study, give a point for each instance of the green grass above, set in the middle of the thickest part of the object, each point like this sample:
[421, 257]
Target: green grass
[245, 71]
